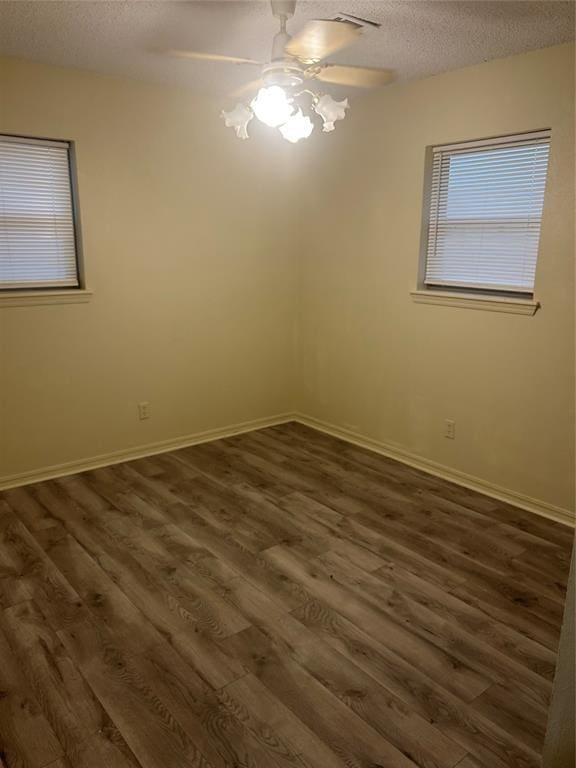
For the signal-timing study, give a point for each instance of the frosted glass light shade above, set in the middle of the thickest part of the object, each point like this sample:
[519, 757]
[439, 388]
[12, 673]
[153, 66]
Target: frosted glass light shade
[238, 118]
[298, 127]
[272, 106]
[330, 111]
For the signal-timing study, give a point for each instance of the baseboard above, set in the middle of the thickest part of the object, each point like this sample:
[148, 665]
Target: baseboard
[537, 506]
[138, 452]
[543, 508]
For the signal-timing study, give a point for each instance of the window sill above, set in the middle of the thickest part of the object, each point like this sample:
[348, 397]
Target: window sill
[37, 298]
[476, 301]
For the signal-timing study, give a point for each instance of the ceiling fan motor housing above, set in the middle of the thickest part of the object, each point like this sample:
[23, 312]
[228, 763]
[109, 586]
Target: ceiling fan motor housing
[282, 73]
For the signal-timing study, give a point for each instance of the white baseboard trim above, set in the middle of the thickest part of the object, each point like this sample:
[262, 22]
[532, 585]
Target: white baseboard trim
[543, 508]
[137, 452]
[537, 506]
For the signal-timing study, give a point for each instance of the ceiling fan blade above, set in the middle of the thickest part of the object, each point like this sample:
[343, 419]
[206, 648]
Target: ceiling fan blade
[197, 56]
[247, 88]
[360, 77]
[319, 38]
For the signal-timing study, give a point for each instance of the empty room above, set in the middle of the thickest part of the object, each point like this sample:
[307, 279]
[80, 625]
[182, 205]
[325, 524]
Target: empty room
[287, 384]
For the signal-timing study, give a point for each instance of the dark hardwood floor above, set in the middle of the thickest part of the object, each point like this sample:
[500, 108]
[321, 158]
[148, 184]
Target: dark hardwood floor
[278, 599]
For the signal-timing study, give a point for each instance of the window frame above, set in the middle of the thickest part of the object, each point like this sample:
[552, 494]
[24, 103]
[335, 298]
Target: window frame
[521, 302]
[50, 294]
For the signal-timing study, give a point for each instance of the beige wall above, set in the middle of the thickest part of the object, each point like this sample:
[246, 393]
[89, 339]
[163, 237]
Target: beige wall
[374, 362]
[187, 252]
[212, 259]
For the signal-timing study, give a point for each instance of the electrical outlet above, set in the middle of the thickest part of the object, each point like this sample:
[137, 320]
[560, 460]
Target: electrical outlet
[144, 411]
[450, 429]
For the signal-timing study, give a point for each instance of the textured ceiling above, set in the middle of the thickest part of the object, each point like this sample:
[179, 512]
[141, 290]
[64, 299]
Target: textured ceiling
[417, 38]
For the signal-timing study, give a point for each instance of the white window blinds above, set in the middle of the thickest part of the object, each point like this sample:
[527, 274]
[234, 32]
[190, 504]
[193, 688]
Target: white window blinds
[485, 210]
[37, 234]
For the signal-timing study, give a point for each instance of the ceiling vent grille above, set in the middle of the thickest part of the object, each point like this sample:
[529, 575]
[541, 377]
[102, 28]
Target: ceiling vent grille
[366, 23]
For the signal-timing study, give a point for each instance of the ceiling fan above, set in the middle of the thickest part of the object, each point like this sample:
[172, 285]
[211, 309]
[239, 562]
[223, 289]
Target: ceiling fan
[297, 62]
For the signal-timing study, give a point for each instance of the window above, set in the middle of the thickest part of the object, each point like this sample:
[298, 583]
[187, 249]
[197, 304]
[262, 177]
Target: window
[38, 237]
[484, 213]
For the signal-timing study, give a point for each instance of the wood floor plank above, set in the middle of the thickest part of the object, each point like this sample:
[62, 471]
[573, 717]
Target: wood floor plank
[459, 678]
[232, 471]
[221, 727]
[417, 484]
[463, 561]
[223, 510]
[26, 738]
[328, 717]
[426, 696]
[515, 712]
[390, 553]
[403, 586]
[171, 614]
[102, 597]
[105, 748]
[367, 486]
[471, 762]
[83, 728]
[277, 599]
[64, 698]
[384, 712]
[464, 533]
[498, 511]
[253, 696]
[122, 496]
[291, 477]
[132, 699]
[194, 595]
[327, 539]
[184, 549]
[492, 603]
[285, 591]
[24, 503]
[40, 579]
[554, 563]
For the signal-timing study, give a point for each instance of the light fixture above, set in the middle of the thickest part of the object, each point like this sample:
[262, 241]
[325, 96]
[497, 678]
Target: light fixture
[278, 107]
[299, 126]
[272, 106]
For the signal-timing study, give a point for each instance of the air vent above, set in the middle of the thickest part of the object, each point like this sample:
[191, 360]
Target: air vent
[366, 23]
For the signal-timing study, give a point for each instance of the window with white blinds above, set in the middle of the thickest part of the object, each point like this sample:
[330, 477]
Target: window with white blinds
[486, 202]
[37, 228]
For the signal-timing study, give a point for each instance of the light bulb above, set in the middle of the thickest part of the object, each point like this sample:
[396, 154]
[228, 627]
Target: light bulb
[271, 106]
[298, 127]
